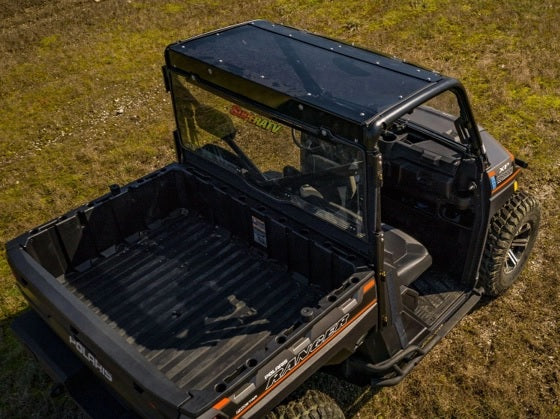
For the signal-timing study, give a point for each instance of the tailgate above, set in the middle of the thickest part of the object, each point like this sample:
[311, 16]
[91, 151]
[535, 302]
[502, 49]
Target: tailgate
[65, 368]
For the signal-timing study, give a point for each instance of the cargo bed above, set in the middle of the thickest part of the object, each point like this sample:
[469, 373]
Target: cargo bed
[173, 301]
[192, 299]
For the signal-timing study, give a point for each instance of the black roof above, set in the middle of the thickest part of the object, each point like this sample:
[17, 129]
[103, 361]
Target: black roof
[285, 68]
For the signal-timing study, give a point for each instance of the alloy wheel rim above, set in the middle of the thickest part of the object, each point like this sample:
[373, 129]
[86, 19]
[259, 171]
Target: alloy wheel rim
[517, 248]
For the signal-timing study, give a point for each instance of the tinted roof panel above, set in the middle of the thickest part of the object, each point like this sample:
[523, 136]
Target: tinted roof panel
[351, 82]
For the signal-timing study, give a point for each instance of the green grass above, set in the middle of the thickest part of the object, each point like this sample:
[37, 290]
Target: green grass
[68, 66]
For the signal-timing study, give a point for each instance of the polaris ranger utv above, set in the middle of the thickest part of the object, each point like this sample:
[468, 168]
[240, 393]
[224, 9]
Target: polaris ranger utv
[331, 208]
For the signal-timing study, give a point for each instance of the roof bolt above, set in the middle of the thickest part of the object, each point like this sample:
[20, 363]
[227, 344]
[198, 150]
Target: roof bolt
[429, 79]
[308, 94]
[193, 77]
[209, 71]
[324, 132]
[300, 107]
[262, 76]
[400, 96]
[362, 114]
[220, 60]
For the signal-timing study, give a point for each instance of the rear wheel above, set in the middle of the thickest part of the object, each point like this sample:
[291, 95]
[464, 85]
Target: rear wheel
[312, 405]
[511, 236]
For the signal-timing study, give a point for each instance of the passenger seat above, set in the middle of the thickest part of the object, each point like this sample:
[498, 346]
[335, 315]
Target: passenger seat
[408, 256]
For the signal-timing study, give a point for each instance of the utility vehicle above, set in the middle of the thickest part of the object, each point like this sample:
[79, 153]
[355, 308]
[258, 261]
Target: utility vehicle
[330, 208]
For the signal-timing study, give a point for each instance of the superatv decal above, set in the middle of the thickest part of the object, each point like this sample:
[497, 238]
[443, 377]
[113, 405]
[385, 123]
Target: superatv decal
[285, 366]
[255, 119]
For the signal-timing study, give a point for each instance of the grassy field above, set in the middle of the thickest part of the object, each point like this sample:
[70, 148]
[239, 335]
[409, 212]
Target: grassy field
[82, 106]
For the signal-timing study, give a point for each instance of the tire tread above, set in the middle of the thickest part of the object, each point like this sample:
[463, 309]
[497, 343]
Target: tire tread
[312, 405]
[503, 227]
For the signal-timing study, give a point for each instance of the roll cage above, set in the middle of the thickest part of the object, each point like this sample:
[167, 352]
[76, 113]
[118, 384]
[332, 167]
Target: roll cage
[321, 87]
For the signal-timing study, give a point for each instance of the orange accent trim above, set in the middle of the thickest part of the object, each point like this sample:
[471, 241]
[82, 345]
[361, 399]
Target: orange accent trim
[362, 311]
[369, 286]
[512, 158]
[506, 181]
[492, 173]
[221, 404]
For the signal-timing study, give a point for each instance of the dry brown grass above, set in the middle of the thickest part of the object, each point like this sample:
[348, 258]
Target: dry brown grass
[69, 65]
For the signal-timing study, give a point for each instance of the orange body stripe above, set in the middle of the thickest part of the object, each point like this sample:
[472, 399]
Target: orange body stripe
[511, 156]
[221, 404]
[362, 311]
[369, 286]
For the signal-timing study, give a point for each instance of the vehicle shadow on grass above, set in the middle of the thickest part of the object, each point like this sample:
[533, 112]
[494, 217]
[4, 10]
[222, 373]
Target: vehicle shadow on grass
[25, 389]
[350, 397]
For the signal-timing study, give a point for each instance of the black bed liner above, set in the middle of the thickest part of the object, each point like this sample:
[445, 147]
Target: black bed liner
[192, 299]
